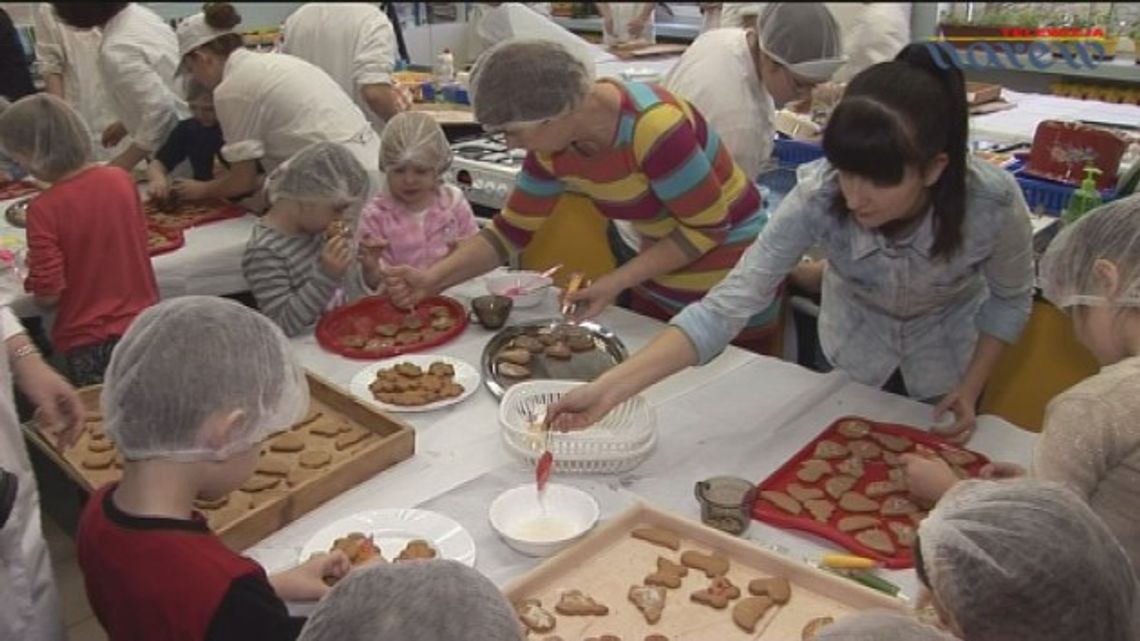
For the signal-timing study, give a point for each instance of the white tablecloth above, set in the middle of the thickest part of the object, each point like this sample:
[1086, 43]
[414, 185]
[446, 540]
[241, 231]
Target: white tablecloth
[1020, 123]
[741, 415]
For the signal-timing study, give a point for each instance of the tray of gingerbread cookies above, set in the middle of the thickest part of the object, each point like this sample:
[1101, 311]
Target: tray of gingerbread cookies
[848, 486]
[654, 576]
[373, 328]
[340, 443]
[183, 215]
[10, 189]
[549, 350]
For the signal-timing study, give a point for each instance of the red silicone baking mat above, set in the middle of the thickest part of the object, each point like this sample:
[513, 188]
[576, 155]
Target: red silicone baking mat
[185, 215]
[879, 465]
[15, 188]
[360, 330]
[163, 241]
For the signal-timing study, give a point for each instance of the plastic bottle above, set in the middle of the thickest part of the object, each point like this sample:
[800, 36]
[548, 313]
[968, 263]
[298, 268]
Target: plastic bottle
[1084, 199]
[444, 71]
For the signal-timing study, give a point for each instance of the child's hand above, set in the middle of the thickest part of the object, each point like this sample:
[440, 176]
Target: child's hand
[928, 477]
[158, 188]
[369, 252]
[306, 581]
[336, 257]
[406, 285]
[1001, 470]
[186, 189]
[113, 134]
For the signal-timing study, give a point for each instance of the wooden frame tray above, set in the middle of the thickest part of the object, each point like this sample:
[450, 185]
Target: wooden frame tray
[249, 516]
[608, 561]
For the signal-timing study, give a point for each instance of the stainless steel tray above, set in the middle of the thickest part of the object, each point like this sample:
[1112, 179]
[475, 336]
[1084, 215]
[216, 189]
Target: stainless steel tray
[17, 213]
[582, 366]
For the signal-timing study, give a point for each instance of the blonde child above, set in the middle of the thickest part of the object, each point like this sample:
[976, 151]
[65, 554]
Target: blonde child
[1091, 438]
[299, 261]
[194, 387]
[88, 256]
[417, 219]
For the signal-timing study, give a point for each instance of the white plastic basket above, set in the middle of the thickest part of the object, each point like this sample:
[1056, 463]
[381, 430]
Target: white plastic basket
[618, 442]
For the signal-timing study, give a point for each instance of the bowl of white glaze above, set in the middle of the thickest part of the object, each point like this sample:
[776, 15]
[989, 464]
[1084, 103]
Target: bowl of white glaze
[542, 523]
[525, 288]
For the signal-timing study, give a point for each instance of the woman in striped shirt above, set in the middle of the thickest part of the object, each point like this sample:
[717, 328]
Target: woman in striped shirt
[638, 152]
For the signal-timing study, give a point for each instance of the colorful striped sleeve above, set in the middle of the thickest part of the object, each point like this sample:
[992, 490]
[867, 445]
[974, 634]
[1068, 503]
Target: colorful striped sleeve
[690, 172]
[536, 193]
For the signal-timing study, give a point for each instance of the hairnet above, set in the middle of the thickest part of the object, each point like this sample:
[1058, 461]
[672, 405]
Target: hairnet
[802, 36]
[1110, 232]
[46, 135]
[414, 138]
[323, 172]
[881, 625]
[523, 81]
[1026, 559]
[192, 358]
[424, 600]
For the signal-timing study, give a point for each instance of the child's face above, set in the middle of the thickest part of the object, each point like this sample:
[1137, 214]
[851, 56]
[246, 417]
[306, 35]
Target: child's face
[411, 184]
[314, 218]
[203, 111]
[1098, 328]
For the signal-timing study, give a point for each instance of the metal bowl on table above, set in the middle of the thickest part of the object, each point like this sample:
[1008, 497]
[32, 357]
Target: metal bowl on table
[607, 351]
[17, 213]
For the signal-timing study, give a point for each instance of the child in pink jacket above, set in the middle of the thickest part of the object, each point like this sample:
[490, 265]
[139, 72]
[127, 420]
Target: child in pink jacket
[416, 219]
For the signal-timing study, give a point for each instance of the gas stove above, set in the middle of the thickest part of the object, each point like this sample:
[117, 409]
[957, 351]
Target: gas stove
[485, 169]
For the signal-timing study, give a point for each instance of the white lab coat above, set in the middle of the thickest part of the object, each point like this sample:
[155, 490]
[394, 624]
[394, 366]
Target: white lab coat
[621, 13]
[354, 43]
[29, 603]
[137, 61]
[73, 54]
[272, 105]
[739, 15]
[876, 34]
[492, 25]
[732, 99]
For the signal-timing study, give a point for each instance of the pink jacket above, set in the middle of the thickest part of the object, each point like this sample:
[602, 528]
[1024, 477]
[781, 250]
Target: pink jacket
[448, 220]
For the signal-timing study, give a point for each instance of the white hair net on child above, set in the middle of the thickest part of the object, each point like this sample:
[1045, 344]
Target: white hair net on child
[802, 36]
[46, 135]
[323, 172]
[414, 138]
[1026, 559]
[422, 600]
[192, 358]
[525, 81]
[1110, 232]
[881, 625]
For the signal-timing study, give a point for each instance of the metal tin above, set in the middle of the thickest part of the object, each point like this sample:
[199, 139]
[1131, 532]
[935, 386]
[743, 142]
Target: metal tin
[726, 503]
[17, 213]
[582, 366]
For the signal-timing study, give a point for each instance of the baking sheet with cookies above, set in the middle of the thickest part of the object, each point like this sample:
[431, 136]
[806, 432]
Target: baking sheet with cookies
[340, 443]
[848, 486]
[607, 563]
[373, 328]
[182, 216]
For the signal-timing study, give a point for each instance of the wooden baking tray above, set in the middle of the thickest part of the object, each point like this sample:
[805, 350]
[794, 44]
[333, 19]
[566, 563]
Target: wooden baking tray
[607, 562]
[249, 517]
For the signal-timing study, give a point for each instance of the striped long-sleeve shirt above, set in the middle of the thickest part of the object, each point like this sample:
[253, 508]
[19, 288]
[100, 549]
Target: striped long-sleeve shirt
[285, 277]
[667, 172]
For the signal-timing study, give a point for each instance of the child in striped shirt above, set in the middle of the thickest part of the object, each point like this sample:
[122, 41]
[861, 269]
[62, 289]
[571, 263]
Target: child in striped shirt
[299, 261]
[416, 220]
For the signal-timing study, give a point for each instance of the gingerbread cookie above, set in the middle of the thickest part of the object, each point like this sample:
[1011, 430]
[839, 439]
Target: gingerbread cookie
[559, 351]
[878, 489]
[955, 456]
[417, 550]
[441, 369]
[904, 534]
[314, 459]
[212, 504]
[776, 588]
[98, 460]
[856, 502]
[865, 449]
[649, 599]
[327, 429]
[897, 506]
[259, 483]
[837, 486]
[713, 565]
[820, 509]
[782, 501]
[876, 539]
[299, 475]
[749, 611]
[534, 617]
[348, 439]
[852, 466]
[515, 355]
[577, 603]
[100, 445]
[892, 442]
[828, 449]
[287, 442]
[812, 470]
[858, 522]
[718, 594]
[510, 370]
[580, 343]
[814, 627]
[668, 574]
[854, 429]
[657, 536]
[802, 493]
[272, 466]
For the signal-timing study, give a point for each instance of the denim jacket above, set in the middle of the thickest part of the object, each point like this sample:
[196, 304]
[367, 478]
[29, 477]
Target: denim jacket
[887, 303]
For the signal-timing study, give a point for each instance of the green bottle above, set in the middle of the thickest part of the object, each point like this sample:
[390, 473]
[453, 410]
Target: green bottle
[1084, 199]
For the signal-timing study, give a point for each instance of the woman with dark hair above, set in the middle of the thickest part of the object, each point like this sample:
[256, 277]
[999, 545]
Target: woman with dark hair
[270, 105]
[137, 60]
[930, 268]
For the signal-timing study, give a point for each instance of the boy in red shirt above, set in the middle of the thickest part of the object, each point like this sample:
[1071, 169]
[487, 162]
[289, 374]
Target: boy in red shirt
[87, 240]
[194, 387]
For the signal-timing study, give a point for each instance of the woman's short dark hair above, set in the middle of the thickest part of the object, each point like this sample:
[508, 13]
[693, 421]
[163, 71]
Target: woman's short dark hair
[87, 15]
[900, 114]
[222, 15]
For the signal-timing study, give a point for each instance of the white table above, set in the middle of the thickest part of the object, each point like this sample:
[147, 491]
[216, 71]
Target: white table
[1020, 123]
[742, 415]
[208, 264]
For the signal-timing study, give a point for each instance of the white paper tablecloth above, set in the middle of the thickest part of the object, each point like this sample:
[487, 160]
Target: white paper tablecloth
[1020, 123]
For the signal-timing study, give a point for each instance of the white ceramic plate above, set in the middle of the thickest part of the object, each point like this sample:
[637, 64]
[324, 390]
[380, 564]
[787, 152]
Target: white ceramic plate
[392, 529]
[465, 374]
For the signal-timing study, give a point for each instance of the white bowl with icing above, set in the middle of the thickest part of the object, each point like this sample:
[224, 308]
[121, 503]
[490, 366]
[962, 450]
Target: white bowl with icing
[541, 524]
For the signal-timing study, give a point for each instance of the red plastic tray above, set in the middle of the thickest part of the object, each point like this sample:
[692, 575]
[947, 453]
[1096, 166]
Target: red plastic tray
[163, 241]
[362, 317]
[15, 188]
[186, 215]
[875, 469]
